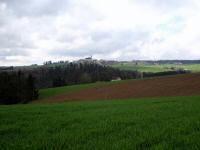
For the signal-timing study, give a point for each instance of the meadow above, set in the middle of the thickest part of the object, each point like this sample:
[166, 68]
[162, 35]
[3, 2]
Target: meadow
[150, 123]
[157, 67]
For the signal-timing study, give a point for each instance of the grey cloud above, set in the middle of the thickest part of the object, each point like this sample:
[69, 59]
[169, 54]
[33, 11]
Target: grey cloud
[123, 35]
[106, 42]
[13, 40]
[166, 5]
[27, 26]
[13, 52]
[2, 58]
[36, 7]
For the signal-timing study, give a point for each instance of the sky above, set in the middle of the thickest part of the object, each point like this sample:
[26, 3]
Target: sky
[34, 31]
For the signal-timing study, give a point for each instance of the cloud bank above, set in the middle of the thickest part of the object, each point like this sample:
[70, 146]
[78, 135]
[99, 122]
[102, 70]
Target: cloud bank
[34, 31]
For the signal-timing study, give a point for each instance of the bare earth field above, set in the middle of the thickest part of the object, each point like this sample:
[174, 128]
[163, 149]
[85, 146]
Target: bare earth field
[180, 85]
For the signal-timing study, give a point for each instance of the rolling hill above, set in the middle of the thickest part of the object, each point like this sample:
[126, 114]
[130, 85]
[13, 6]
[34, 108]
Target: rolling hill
[128, 121]
[180, 85]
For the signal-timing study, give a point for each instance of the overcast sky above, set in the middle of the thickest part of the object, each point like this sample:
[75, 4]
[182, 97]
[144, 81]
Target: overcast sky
[34, 31]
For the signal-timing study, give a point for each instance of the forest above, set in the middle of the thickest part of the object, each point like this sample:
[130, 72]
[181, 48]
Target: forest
[17, 87]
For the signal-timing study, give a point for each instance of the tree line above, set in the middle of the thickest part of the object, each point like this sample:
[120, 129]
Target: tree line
[77, 73]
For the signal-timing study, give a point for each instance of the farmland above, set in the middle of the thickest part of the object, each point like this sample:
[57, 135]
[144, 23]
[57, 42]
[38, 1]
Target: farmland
[156, 67]
[152, 123]
[99, 75]
[151, 87]
[50, 92]
[153, 113]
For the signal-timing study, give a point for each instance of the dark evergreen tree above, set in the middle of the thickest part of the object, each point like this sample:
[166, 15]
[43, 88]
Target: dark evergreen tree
[15, 87]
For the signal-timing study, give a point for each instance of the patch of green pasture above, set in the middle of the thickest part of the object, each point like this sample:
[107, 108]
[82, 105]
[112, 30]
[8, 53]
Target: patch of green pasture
[154, 123]
[193, 68]
[156, 67]
[140, 67]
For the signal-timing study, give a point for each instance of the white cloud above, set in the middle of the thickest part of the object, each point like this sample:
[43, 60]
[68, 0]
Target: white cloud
[36, 31]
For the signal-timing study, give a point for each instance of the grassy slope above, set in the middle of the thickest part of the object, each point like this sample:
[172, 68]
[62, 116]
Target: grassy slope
[157, 123]
[156, 68]
[48, 92]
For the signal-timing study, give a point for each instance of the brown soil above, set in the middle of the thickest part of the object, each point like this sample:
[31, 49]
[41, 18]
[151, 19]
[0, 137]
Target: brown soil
[180, 85]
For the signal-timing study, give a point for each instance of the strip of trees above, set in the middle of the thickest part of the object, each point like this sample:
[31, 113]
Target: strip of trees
[77, 73]
[165, 73]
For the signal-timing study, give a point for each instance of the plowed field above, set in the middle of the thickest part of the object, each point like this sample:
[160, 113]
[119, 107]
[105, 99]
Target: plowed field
[180, 85]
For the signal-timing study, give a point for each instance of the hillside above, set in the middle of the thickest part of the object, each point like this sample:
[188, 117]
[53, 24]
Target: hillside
[180, 85]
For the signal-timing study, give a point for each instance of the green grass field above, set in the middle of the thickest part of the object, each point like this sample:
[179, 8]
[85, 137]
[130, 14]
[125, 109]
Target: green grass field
[156, 123]
[155, 68]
